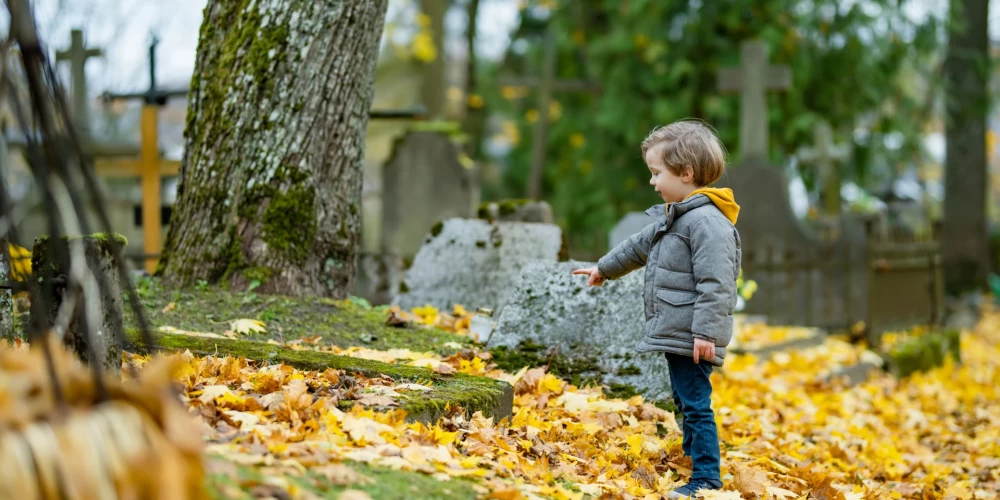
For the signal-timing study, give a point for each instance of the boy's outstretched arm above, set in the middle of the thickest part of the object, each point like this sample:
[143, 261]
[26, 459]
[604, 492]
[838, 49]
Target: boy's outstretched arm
[629, 255]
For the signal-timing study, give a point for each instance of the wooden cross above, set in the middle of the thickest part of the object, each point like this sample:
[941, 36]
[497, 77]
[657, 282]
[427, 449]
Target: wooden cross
[149, 166]
[753, 79]
[825, 155]
[77, 55]
[545, 85]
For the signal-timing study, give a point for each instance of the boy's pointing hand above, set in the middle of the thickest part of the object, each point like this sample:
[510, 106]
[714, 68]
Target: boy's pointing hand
[594, 277]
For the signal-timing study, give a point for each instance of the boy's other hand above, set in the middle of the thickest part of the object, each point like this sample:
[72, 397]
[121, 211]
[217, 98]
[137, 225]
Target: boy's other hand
[594, 277]
[703, 349]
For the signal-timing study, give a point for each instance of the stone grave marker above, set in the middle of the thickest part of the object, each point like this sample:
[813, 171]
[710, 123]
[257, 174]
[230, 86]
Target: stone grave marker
[475, 263]
[631, 223]
[424, 182]
[98, 251]
[552, 307]
[752, 80]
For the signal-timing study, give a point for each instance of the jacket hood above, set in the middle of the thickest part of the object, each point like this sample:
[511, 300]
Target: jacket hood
[723, 199]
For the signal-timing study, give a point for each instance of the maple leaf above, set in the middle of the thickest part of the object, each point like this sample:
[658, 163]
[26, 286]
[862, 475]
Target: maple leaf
[780, 493]
[750, 481]
[528, 380]
[826, 491]
[958, 491]
[247, 326]
[444, 369]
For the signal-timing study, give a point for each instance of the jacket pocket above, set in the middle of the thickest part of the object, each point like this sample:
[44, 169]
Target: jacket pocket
[675, 312]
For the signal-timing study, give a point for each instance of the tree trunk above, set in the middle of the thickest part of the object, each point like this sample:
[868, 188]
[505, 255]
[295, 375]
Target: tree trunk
[270, 186]
[475, 115]
[964, 242]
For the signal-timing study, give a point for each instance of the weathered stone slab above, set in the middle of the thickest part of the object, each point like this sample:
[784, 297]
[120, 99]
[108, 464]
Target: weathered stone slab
[631, 223]
[554, 308]
[424, 182]
[475, 263]
[51, 257]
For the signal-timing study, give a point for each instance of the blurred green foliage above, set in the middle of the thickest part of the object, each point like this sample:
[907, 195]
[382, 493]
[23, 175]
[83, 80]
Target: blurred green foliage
[866, 67]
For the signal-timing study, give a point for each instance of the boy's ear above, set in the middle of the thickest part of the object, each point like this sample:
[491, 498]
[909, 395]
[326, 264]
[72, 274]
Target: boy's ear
[688, 174]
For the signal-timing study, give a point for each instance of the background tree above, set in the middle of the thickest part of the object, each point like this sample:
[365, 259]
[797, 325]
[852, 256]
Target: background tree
[271, 179]
[854, 65]
[964, 241]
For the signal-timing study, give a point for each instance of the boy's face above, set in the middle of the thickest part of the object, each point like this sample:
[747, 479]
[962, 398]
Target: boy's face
[671, 188]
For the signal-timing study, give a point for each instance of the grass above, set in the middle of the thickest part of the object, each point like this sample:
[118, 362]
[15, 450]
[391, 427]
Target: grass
[243, 482]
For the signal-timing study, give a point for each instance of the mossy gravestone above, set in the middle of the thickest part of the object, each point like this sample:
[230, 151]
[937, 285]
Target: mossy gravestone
[599, 325]
[51, 257]
[475, 263]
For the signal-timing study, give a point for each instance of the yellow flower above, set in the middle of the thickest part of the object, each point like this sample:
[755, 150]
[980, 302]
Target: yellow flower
[531, 116]
[585, 167]
[475, 101]
[577, 140]
[640, 41]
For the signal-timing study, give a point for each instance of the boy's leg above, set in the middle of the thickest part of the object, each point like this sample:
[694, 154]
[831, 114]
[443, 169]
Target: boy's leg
[692, 384]
[679, 403]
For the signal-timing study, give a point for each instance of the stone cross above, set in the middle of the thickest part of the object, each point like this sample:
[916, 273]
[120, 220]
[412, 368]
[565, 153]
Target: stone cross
[753, 79]
[825, 155]
[77, 55]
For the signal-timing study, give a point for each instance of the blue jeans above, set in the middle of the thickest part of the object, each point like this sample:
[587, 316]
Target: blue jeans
[693, 396]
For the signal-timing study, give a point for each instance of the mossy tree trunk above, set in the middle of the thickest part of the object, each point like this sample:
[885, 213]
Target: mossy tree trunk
[964, 241]
[270, 185]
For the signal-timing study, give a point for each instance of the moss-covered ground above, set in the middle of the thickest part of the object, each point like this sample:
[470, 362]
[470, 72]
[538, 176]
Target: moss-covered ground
[381, 483]
[342, 323]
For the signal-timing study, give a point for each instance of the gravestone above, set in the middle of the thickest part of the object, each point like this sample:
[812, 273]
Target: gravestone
[475, 263]
[602, 325]
[802, 279]
[54, 255]
[424, 182]
[631, 223]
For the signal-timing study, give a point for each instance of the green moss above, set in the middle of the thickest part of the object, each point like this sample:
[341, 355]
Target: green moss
[337, 322]
[578, 371]
[436, 229]
[628, 370]
[924, 352]
[378, 482]
[289, 222]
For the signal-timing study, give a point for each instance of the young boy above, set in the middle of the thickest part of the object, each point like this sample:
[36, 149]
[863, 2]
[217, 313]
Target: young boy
[692, 258]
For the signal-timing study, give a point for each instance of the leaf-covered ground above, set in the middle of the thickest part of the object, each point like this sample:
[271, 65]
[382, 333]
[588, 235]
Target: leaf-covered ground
[786, 433]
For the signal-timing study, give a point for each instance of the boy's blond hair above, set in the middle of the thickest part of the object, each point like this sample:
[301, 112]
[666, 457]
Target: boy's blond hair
[689, 143]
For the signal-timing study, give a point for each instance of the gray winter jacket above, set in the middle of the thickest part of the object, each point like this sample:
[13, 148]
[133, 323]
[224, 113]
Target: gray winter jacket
[692, 256]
